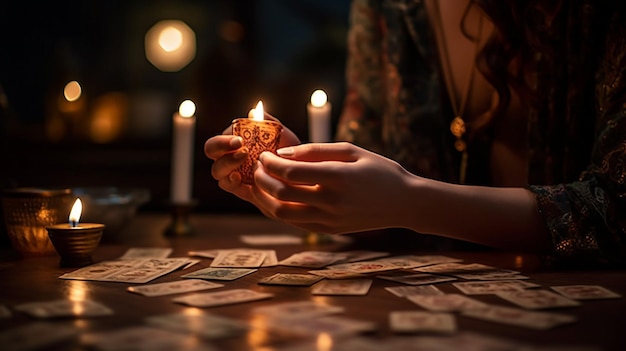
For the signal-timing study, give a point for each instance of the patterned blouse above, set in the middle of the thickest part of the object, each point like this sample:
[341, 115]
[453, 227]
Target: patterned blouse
[396, 105]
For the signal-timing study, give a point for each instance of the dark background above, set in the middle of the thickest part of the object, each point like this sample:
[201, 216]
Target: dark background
[286, 50]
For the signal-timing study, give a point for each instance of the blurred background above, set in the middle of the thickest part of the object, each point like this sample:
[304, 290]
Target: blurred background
[87, 98]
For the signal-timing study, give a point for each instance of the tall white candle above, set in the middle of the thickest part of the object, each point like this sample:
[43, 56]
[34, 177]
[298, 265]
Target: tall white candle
[319, 117]
[182, 152]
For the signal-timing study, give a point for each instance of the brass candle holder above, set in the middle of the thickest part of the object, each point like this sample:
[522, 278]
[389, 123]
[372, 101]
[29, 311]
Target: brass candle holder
[75, 244]
[179, 225]
[258, 135]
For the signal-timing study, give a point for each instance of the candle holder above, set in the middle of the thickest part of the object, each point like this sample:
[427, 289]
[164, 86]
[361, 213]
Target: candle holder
[258, 136]
[27, 212]
[75, 244]
[180, 226]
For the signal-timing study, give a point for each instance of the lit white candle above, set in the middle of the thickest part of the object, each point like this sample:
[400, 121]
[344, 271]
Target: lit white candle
[182, 152]
[319, 117]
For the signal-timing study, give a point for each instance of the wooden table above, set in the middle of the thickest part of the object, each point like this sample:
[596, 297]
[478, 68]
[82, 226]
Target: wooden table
[601, 323]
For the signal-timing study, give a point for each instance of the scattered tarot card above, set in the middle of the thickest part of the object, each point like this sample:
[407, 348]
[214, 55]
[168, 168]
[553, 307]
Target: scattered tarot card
[128, 271]
[412, 261]
[143, 338]
[146, 252]
[342, 287]
[64, 308]
[537, 299]
[36, 336]
[175, 287]
[421, 322]
[221, 298]
[219, 273]
[492, 287]
[362, 255]
[365, 267]
[520, 317]
[415, 278]
[297, 310]
[204, 253]
[337, 274]
[334, 326]
[404, 291]
[271, 239]
[208, 326]
[243, 258]
[445, 303]
[585, 292]
[313, 259]
[291, 279]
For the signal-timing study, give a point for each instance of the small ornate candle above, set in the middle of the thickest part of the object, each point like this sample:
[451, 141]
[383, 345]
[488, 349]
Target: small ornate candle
[182, 152]
[319, 117]
[75, 241]
[258, 135]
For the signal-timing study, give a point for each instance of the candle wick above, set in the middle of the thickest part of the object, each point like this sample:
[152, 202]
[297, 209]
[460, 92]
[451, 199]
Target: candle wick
[73, 224]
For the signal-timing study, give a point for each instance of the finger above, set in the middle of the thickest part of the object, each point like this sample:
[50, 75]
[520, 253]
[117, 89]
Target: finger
[287, 192]
[228, 163]
[299, 172]
[317, 152]
[291, 212]
[219, 145]
[233, 184]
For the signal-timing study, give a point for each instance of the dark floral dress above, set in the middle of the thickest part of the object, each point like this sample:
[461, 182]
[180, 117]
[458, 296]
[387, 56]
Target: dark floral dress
[396, 106]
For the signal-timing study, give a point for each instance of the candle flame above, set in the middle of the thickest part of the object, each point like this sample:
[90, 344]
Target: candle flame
[257, 113]
[75, 213]
[187, 108]
[319, 98]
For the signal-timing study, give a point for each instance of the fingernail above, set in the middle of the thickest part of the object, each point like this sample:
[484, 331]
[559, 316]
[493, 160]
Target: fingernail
[286, 151]
[235, 142]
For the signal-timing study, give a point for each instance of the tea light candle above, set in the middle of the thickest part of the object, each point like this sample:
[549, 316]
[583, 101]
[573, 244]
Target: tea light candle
[258, 135]
[319, 117]
[182, 153]
[75, 241]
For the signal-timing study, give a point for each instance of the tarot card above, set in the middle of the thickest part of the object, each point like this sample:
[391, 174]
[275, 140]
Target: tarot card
[412, 261]
[291, 279]
[208, 326]
[221, 298]
[415, 279]
[239, 259]
[362, 255]
[143, 338]
[421, 321]
[342, 287]
[127, 271]
[175, 287]
[404, 291]
[585, 292]
[492, 287]
[334, 326]
[271, 239]
[204, 253]
[365, 266]
[64, 308]
[445, 303]
[492, 275]
[520, 317]
[36, 336]
[297, 310]
[219, 273]
[99, 270]
[454, 268]
[337, 274]
[537, 299]
[312, 259]
[146, 252]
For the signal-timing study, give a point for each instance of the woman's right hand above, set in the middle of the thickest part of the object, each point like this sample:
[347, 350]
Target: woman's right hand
[228, 153]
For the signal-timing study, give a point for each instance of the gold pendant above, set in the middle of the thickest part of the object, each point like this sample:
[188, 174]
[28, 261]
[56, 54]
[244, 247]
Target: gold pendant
[457, 127]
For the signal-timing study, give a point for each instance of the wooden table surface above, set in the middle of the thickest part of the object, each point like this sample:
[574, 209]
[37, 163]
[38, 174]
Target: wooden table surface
[601, 323]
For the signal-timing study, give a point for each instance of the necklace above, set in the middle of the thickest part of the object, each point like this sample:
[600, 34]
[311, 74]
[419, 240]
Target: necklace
[457, 126]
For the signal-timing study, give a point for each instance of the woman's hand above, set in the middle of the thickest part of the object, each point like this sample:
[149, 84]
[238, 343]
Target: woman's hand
[332, 188]
[229, 153]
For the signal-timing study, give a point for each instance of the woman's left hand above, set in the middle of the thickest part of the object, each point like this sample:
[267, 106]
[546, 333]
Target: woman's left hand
[333, 188]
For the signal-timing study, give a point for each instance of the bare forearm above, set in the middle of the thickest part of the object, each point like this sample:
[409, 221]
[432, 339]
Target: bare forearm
[498, 217]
